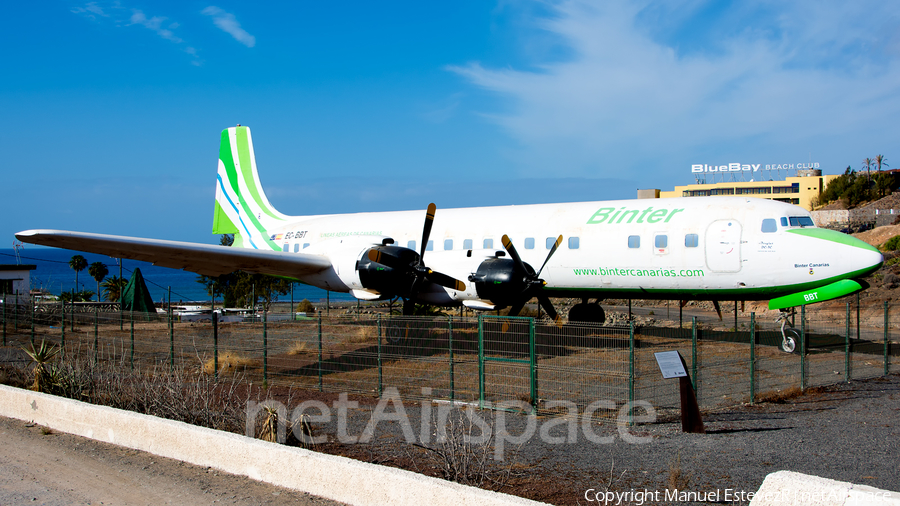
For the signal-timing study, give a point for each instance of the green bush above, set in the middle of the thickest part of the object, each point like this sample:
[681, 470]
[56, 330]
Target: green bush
[893, 244]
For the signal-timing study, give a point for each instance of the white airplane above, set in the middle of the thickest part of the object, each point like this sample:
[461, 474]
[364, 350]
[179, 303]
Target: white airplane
[709, 248]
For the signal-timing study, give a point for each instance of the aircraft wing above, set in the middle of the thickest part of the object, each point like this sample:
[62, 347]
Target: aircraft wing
[204, 259]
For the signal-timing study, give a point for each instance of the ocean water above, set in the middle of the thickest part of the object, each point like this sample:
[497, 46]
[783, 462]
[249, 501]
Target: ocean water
[54, 275]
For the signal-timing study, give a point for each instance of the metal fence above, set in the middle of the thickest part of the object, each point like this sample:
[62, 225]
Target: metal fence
[483, 360]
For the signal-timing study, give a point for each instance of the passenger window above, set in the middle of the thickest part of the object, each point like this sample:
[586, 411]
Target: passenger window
[488, 244]
[429, 246]
[529, 243]
[467, 244]
[691, 240]
[573, 243]
[305, 245]
[411, 245]
[634, 241]
[448, 244]
[296, 247]
[769, 226]
[662, 241]
[286, 248]
[550, 242]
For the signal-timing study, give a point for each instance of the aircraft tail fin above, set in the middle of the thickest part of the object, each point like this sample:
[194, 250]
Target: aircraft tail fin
[241, 206]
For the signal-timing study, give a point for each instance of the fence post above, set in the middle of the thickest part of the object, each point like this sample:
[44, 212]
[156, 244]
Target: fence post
[694, 378]
[32, 317]
[452, 366]
[803, 348]
[96, 331]
[847, 347]
[132, 338]
[887, 364]
[752, 357]
[630, 421]
[378, 324]
[172, 336]
[265, 349]
[532, 356]
[320, 351]
[480, 361]
[5, 302]
[62, 320]
[215, 325]
[62, 337]
[16, 314]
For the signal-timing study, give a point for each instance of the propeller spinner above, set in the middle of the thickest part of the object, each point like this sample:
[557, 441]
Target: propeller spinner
[416, 267]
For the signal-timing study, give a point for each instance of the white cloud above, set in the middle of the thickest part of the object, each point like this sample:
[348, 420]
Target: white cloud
[642, 83]
[229, 24]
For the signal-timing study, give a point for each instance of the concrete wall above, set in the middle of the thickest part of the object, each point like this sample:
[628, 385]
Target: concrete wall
[329, 476]
[835, 217]
[786, 488]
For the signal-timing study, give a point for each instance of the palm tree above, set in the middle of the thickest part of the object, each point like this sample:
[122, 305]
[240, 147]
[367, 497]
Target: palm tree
[98, 271]
[879, 162]
[78, 263]
[867, 164]
[112, 287]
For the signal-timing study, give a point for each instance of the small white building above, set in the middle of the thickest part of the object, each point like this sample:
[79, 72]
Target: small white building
[15, 279]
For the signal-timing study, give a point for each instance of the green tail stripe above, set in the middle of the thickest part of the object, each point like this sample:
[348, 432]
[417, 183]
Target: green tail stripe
[222, 224]
[243, 147]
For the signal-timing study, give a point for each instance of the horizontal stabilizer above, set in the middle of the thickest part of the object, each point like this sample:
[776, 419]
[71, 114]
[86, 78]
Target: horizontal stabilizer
[203, 259]
[823, 293]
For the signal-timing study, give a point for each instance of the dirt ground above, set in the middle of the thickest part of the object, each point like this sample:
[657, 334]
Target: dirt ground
[40, 466]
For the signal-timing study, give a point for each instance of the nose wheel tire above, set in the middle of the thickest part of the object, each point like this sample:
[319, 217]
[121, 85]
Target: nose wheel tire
[789, 344]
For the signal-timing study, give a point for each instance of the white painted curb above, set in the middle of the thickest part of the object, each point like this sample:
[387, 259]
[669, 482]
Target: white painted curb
[337, 478]
[787, 488]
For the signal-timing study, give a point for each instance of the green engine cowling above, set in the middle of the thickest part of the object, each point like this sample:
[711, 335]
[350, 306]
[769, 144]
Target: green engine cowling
[820, 294]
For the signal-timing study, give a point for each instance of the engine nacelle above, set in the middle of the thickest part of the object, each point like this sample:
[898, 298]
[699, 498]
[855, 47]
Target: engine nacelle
[386, 280]
[498, 281]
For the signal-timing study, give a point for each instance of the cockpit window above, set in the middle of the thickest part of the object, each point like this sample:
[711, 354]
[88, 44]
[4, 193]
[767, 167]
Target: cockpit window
[801, 221]
[769, 225]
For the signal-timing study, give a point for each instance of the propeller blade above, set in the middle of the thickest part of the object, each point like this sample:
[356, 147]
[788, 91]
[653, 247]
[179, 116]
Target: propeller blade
[552, 251]
[426, 230]
[445, 281]
[409, 307]
[548, 307]
[513, 253]
[380, 257]
[718, 309]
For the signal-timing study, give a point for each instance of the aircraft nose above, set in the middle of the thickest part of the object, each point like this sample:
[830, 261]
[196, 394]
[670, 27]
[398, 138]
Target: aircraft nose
[867, 256]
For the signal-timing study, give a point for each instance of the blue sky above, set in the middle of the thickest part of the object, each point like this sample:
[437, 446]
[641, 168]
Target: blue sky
[113, 109]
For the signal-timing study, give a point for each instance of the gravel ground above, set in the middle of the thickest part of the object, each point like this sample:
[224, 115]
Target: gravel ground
[847, 432]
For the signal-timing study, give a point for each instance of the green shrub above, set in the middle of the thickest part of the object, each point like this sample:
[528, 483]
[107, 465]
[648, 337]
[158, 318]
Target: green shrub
[893, 244]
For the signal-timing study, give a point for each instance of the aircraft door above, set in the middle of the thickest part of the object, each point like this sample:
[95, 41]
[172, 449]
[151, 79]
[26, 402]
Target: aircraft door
[723, 246]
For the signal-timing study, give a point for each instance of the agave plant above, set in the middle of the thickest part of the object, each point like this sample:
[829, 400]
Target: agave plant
[42, 356]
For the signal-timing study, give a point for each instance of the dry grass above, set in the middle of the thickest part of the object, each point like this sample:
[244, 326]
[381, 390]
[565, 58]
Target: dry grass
[300, 348]
[362, 335]
[678, 479]
[779, 396]
[230, 362]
